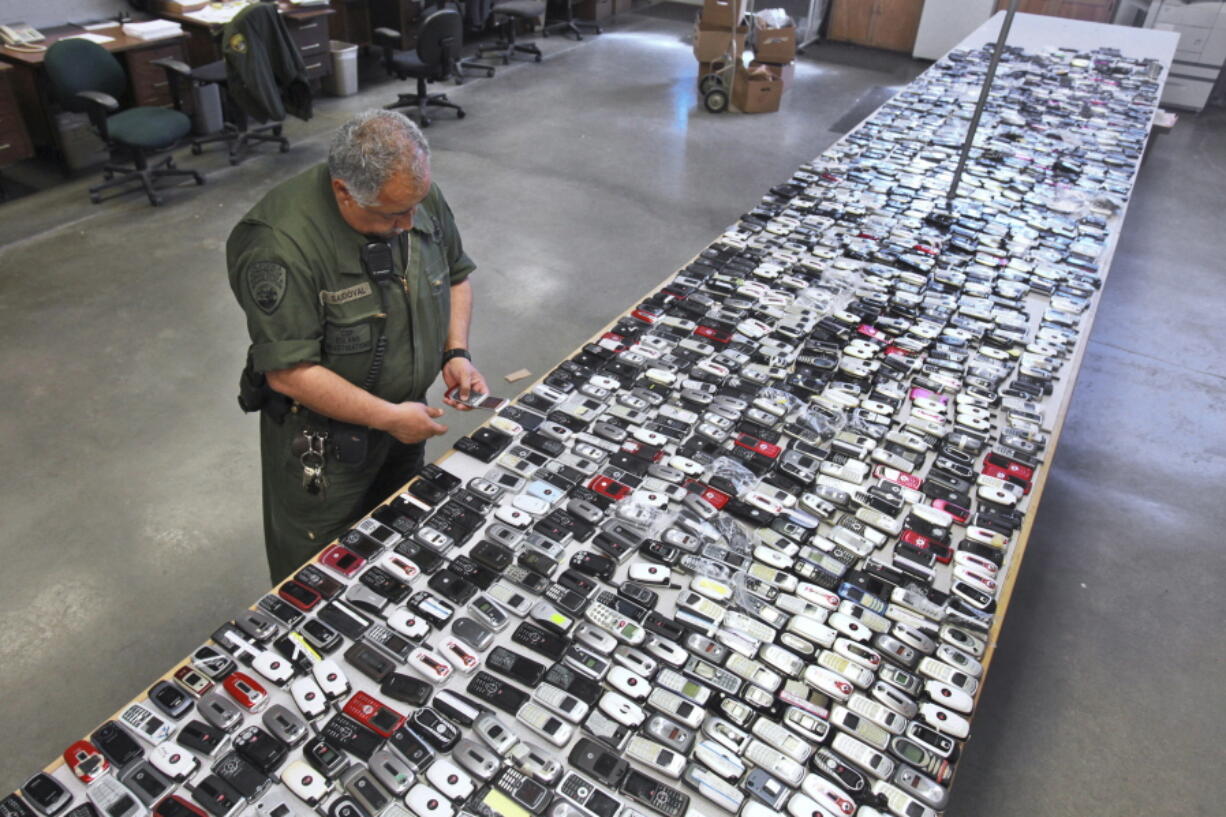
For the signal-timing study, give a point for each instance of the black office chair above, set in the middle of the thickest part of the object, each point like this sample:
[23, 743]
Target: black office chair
[237, 133]
[435, 59]
[567, 23]
[507, 16]
[87, 78]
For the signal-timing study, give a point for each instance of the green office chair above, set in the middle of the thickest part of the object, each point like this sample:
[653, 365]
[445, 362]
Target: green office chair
[85, 77]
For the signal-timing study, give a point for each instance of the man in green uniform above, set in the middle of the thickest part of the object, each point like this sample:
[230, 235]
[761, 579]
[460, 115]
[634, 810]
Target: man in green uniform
[355, 285]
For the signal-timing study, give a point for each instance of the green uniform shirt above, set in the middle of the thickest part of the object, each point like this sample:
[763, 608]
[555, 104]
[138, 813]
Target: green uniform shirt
[296, 268]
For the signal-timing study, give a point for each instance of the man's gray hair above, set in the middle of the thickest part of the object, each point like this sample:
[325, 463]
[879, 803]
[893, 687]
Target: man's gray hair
[373, 146]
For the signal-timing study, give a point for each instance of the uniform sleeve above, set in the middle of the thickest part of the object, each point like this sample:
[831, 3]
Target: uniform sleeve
[276, 291]
[461, 265]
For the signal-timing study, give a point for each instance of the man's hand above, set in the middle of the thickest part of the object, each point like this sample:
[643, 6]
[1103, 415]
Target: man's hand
[461, 374]
[412, 422]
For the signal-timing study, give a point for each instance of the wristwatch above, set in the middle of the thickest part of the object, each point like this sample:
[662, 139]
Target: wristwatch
[452, 354]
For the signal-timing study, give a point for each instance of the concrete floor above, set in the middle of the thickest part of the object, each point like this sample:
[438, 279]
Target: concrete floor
[130, 491]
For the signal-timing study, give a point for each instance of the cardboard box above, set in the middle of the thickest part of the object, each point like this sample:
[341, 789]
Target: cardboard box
[722, 13]
[712, 42]
[756, 91]
[180, 6]
[594, 9]
[776, 45]
[785, 73]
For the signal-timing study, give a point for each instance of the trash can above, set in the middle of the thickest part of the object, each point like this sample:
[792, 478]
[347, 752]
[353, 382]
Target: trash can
[206, 108]
[344, 79]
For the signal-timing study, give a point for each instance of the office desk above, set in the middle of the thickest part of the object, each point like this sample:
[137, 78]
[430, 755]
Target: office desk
[147, 83]
[308, 27]
[14, 138]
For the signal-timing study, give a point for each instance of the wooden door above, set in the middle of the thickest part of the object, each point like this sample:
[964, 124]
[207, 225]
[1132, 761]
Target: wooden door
[851, 21]
[1096, 11]
[895, 24]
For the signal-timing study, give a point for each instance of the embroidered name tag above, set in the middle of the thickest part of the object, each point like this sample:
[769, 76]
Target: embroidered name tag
[347, 340]
[344, 296]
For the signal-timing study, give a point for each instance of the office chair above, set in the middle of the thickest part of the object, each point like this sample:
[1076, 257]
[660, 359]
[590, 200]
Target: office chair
[568, 24]
[507, 17]
[236, 131]
[434, 60]
[85, 77]
[284, 67]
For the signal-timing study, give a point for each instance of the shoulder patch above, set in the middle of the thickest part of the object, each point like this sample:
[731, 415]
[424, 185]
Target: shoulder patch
[238, 43]
[266, 281]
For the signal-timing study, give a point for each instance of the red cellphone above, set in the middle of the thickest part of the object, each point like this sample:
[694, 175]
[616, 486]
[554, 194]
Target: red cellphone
[611, 488]
[342, 560]
[249, 693]
[374, 714]
[298, 594]
[86, 762]
[761, 447]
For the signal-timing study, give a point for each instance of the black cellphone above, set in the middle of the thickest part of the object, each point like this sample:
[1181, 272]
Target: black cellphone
[663, 626]
[530, 420]
[529, 580]
[201, 737]
[477, 450]
[406, 689]
[369, 661]
[45, 792]
[171, 699]
[496, 692]
[424, 558]
[613, 547]
[345, 733]
[548, 446]
[594, 759]
[143, 780]
[492, 555]
[114, 742]
[323, 584]
[440, 477]
[281, 608]
[385, 584]
[427, 491]
[344, 619]
[639, 594]
[594, 564]
[437, 730]
[320, 636]
[245, 778]
[324, 757]
[492, 438]
[571, 602]
[537, 562]
[582, 687]
[451, 587]
[390, 642]
[540, 640]
[265, 751]
[579, 582]
[14, 806]
[470, 571]
[412, 747]
[656, 795]
[217, 796]
[515, 666]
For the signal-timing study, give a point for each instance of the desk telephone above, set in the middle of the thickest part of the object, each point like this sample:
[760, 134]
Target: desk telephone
[20, 34]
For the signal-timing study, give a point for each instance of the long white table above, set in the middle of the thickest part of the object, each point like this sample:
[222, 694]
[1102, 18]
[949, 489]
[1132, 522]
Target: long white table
[1031, 33]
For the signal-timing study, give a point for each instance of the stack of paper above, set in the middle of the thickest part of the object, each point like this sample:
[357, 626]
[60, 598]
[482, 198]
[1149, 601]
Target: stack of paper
[152, 30]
